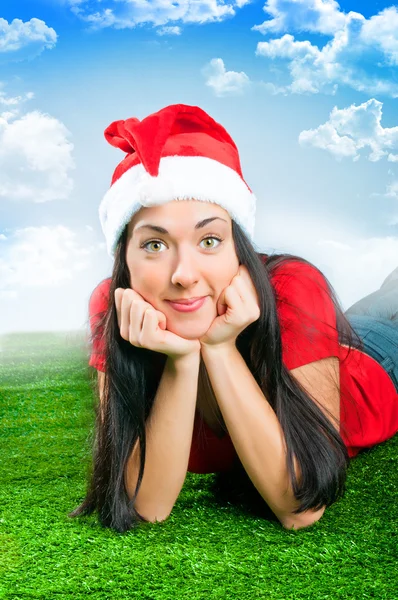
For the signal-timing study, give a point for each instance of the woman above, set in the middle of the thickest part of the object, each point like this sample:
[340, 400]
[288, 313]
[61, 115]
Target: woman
[264, 375]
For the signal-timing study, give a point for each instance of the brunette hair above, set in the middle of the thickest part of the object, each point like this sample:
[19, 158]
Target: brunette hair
[132, 376]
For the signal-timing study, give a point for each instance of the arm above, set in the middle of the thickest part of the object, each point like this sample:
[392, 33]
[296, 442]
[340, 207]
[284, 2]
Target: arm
[169, 431]
[101, 382]
[256, 434]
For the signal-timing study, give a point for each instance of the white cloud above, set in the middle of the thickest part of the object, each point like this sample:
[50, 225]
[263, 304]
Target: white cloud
[169, 31]
[322, 16]
[14, 101]
[362, 53]
[224, 82]
[354, 264]
[392, 190]
[35, 158]
[381, 31]
[19, 40]
[122, 14]
[351, 129]
[42, 257]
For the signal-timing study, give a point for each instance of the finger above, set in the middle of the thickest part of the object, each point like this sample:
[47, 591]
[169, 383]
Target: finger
[246, 287]
[162, 319]
[161, 316]
[232, 296]
[122, 311]
[229, 298]
[125, 310]
[136, 311]
[118, 303]
[244, 275]
[149, 321]
[243, 271]
[245, 293]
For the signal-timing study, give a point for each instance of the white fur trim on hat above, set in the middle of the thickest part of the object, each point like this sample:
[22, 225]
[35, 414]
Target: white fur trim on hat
[179, 178]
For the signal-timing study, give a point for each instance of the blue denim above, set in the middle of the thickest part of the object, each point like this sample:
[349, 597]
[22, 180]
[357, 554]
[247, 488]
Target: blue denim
[382, 303]
[380, 338]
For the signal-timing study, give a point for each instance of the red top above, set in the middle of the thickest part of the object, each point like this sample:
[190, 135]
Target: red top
[368, 398]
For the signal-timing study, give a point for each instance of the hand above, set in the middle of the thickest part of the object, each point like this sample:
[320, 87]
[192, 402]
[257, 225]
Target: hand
[237, 307]
[145, 327]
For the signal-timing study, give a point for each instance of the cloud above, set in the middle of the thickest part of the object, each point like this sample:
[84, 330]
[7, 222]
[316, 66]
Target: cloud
[20, 41]
[318, 16]
[352, 129]
[35, 157]
[41, 257]
[224, 82]
[356, 265]
[13, 102]
[169, 31]
[362, 53]
[392, 189]
[122, 14]
[381, 31]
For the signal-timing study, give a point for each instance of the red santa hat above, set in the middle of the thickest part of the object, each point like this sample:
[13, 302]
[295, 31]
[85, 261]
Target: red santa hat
[177, 153]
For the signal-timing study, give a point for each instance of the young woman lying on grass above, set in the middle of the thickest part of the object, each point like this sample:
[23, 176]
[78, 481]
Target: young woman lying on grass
[265, 372]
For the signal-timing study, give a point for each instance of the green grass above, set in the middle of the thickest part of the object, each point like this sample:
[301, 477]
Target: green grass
[209, 547]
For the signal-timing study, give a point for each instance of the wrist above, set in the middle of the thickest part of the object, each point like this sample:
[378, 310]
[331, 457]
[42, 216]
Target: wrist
[186, 361]
[215, 349]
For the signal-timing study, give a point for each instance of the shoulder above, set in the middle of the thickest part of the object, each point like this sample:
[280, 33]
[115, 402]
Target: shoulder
[100, 296]
[298, 282]
[282, 267]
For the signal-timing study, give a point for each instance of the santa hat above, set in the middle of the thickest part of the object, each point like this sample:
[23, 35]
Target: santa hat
[177, 153]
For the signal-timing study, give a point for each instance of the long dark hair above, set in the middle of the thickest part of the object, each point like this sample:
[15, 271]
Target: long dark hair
[132, 376]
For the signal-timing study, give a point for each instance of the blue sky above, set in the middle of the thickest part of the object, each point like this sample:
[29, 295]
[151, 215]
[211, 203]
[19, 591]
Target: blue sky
[308, 89]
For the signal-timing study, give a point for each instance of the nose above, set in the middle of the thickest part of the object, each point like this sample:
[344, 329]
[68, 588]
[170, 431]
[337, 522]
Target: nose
[185, 273]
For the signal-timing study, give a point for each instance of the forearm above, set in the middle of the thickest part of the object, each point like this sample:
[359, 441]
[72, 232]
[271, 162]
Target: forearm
[169, 431]
[253, 427]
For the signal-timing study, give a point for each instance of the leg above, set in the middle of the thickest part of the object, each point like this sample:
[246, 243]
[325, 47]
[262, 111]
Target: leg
[380, 339]
[382, 303]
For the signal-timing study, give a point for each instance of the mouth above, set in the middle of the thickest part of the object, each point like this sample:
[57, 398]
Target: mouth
[190, 306]
[187, 301]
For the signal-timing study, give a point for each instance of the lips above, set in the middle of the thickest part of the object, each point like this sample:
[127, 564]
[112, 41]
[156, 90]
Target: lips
[190, 307]
[186, 302]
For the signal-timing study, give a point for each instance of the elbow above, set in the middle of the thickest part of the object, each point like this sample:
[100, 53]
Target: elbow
[159, 517]
[302, 520]
[154, 517]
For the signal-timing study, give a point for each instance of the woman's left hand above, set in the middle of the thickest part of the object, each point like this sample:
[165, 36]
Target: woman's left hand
[237, 307]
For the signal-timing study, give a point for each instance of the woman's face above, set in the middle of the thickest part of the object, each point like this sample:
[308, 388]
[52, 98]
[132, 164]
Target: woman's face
[182, 263]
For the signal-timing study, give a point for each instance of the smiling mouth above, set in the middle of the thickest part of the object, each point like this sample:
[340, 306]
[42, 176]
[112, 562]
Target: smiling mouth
[187, 301]
[190, 307]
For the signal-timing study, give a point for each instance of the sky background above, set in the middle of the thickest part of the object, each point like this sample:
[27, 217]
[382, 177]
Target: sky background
[307, 89]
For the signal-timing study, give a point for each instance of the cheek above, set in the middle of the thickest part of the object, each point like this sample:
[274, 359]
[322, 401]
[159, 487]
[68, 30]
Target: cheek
[148, 286]
[226, 273]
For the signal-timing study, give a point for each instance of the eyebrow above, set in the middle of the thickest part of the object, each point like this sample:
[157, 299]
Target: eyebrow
[159, 229]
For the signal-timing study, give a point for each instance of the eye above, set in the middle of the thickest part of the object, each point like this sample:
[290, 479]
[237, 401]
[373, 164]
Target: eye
[208, 237]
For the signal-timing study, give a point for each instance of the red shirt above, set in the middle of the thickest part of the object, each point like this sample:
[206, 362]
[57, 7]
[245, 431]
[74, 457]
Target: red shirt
[368, 398]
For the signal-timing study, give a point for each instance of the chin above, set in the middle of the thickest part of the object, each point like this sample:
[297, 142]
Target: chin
[188, 332]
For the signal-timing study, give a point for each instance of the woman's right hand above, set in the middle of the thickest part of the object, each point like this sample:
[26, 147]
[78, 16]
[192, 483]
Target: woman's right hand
[145, 327]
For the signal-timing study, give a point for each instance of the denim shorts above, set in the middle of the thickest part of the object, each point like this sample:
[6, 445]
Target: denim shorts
[380, 339]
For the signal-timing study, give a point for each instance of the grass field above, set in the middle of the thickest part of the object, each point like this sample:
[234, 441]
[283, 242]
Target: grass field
[207, 548]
